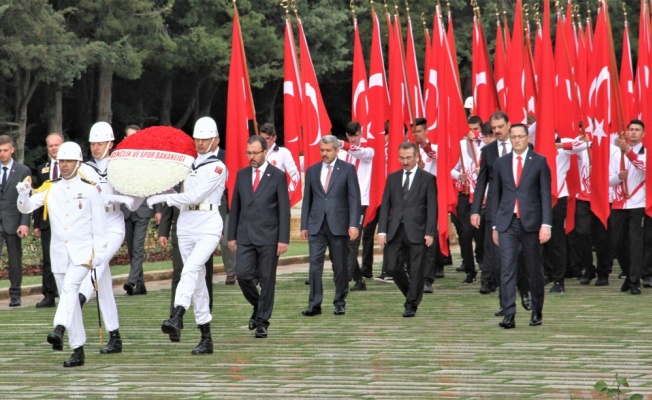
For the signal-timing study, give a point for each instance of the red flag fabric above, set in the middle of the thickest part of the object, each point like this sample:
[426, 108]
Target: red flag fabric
[432, 79]
[566, 96]
[545, 139]
[359, 105]
[516, 106]
[530, 72]
[600, 113]
[240, 107]
[485, 98]
[397, 92]
[630, 108]
[292, 106]
[644, 89]
[500, 66]
[316, 123]
[378, 99]
[412, 70]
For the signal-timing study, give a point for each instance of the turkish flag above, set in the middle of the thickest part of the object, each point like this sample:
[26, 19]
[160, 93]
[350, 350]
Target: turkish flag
[601, 114]
[530, 73]
[412, 70]
[627, 88]
[378, 99]
[239, 107]
[432, 78]
[316, 123]
[516, 107]
[644, 89]
[485, 98]
[500, 66]
[292, 108]
[565, 87]
[545, 140]
[398, 94]
[359, 106]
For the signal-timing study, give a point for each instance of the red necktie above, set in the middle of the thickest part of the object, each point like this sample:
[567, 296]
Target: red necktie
[519, 171]
[256, 179]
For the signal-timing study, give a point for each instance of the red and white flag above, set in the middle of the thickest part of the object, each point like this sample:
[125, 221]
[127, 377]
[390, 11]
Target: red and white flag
[398, 94]
[516, 107]
[485, 98]
[627, 88]
[412, 70]
[316, 123]
[292, 106]
[359, 104]
[500, 66]
[240, 108]
[644, 89]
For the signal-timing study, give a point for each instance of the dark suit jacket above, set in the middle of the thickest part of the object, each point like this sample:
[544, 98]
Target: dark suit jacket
[488, 156]
[533, 193]
[11, 217]
[42, 175]
[260, 218]
[340, 206]
[418, 211]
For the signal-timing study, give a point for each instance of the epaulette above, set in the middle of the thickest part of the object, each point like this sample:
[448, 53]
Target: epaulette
[87, 181]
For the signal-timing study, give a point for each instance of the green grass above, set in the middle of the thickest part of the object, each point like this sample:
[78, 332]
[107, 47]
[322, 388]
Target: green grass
[452, 349]
[294, 249]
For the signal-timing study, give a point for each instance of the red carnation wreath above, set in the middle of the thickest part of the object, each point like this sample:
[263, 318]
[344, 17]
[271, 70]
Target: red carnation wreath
[151, 161]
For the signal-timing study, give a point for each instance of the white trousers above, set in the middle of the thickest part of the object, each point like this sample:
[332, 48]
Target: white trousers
[105, 282]
[68, 311]
[195, 251]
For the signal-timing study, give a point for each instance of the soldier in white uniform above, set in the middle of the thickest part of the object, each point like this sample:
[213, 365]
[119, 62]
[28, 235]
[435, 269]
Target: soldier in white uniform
[199, 227]
[77, 218]
[95, 170]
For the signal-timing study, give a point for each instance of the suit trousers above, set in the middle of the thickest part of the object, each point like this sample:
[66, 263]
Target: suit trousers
[628, 237]
[490, 267]
[434, 260]
[355, 273]
[177, 267]
[258, 262]
[48, 283]
[589, 231]
[409, 281]
[136, 233]
[228, 257]
[338, 249]
[105, 283]
[508, 249]
[554, 250]
[15, 267]
[368, 238]
[465, 232]
[68, 311]
[195, 250]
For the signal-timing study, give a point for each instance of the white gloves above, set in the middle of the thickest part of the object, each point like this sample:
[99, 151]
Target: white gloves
[24, 189]
[156, 199]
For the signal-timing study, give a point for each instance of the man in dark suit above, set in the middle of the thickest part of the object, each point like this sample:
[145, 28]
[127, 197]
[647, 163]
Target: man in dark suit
[48, 171]
[329, 218]
[260, 226]
[13, 225]
[522, 216]
[136, 225]
[407, 224]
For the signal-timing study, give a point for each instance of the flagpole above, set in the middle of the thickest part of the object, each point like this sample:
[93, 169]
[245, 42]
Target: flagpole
[246, 73]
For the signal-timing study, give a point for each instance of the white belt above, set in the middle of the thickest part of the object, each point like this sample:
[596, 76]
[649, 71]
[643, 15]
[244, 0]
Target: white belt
[112, 207]
[200, 207]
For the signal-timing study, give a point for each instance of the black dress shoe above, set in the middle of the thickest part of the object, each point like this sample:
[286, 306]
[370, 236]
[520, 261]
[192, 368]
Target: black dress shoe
[45, 303]
[359, 285]
[307, 281]
[625, 287]
[76, 359]
[500, 312]
[230, 280]
[536, 320]
[367, 273]
[634, 289]
[55, 338]
[14, 302]
[647, 282]
[139, 290]
[484, 288]
[602, 281]
[508, 322]
[311, 312]
[261, 332]
[586, 279]
[409, 312]
[526, 302]
[439, 273]
[461, 268]
[546, 280]
[82, 300]
[427, 287]
[252, 321]
[129, 288]
[339, 310]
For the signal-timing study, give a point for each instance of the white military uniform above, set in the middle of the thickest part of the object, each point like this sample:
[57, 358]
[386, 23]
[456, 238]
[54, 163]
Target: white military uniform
[428, 155]
[77, 217]
[362, 158]
[95, 171]
[199, 227]
[281, 158]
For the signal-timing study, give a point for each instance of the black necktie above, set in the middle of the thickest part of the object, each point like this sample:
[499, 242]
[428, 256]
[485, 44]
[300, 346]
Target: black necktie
[406, 184]
[4, 177]
[55, 171]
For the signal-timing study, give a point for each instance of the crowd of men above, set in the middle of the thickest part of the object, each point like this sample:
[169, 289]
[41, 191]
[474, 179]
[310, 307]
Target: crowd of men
[504, 207]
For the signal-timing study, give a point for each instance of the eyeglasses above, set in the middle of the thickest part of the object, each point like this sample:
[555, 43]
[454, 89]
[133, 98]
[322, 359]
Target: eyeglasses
[410, 158]
[253, 153]
[517, 137]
